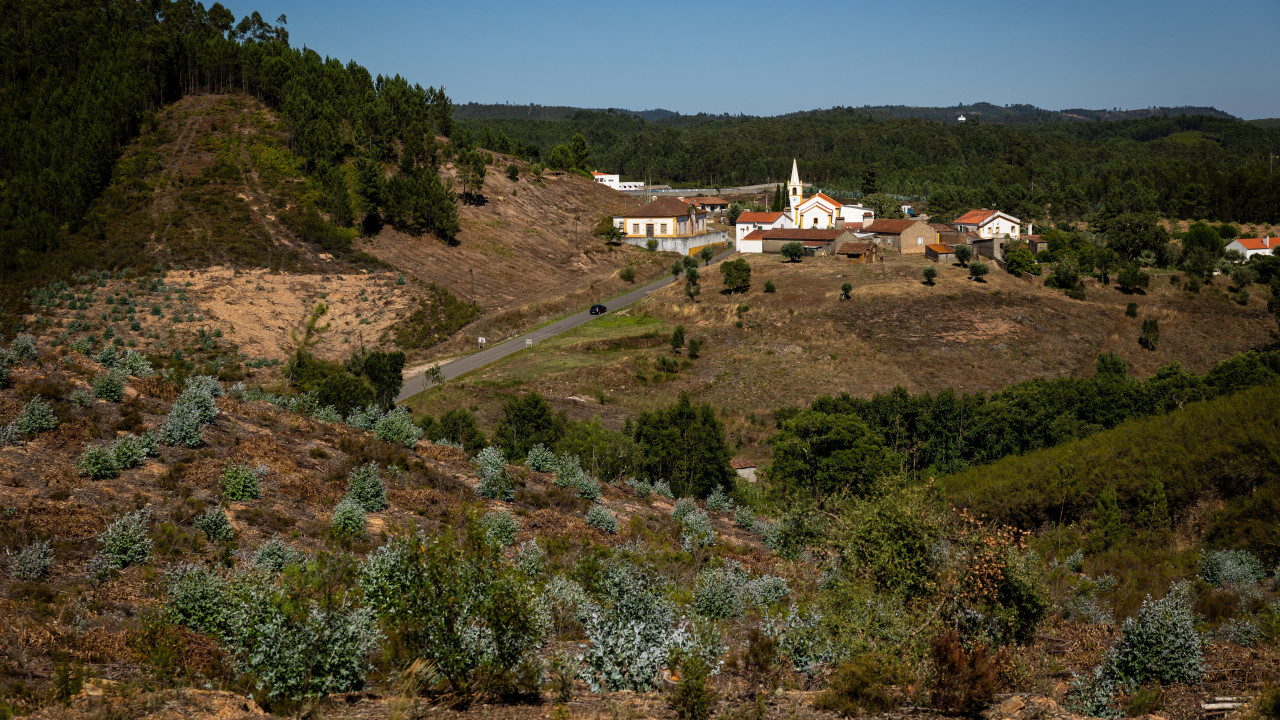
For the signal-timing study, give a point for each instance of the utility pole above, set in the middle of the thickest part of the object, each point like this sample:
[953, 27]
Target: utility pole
[473, 285]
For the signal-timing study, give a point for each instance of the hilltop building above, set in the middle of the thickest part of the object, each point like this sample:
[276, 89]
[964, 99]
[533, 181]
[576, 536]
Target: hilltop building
[672, 223]
[1254, 246]
[615, 182]
[816, 212]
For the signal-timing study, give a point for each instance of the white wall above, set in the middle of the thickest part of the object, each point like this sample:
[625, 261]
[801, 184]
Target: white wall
[750, 246]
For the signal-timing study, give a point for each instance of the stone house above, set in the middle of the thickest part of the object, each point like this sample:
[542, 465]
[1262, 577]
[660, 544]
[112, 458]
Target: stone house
[906, 236]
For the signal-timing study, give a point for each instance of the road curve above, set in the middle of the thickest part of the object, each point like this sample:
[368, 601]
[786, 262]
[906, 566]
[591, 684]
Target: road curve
[415, 384]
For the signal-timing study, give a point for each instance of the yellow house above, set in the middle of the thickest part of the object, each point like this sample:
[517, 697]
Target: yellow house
[665, 218]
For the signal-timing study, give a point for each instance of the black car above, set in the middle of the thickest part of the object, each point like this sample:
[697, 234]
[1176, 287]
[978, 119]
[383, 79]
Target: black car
[599, 309]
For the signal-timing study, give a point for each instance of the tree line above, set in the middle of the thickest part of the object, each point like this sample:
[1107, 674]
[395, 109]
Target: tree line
[1185, 166]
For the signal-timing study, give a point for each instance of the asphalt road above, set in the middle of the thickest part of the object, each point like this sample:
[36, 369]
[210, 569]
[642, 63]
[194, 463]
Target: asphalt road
[415, 384]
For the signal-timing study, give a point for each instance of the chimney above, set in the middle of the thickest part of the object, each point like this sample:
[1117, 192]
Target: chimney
[1031, 228]
[839, 223]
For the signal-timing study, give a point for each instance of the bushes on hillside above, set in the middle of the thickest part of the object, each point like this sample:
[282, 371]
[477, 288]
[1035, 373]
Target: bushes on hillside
[364, 486]
[125, 541]
[31, 561]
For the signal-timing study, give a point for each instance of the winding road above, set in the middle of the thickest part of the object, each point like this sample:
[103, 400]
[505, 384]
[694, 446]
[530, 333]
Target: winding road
[415, 384]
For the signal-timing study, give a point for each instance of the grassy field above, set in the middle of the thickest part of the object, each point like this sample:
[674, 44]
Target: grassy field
[765, 350]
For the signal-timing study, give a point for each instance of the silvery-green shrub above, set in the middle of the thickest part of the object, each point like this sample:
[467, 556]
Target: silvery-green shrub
[201, 400]
[766, 590]
[109, 387]
[80, 398]
[1160, 643]
[1087, 608]
[125, 541]
[32, 561]
[135, 363]
[696, 531]
[214, 524]
[348, 519]
[599, 517]
[183, 427]
[531, 559]
[23, 347]
[240, 482]
[97, 462]
[630, 636]
[133, 450]
[204, 384]
[328, 414]
[495, 483]
[587, 487]
[364, 485]
[800, 638]
[1075, 561]
[364, 419]
[642, 488]
[540, 459]
[568, 602]
[1240, 631]
[744, 517]
[568, 472]
[719, 500]
[199, 599]
[682, 508]
[98, 569]
[500, 527]
[1237, 568]
[397, 427]
[663, 488]
[35, 417]
[719, 592]
[274, 555]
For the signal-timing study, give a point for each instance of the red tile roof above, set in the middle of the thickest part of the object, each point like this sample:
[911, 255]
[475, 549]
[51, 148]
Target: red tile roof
[852, 248]
[593, 172]
[759, 217]
[1258, 243]
[974, 217]
[664, 207]
[741, 464]
[707, 201]
[824, 197]
[890, 227]
[942, 227]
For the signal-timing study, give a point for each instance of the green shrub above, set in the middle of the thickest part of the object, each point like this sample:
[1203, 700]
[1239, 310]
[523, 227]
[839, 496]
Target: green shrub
[692, 699]
[744, 517]
[540, 459]
[31, 561]
[1131, 310]
[599, 517]
[23, 348]
[199, 599]
[500, 528]
[397, 427]
[1269, 702]
[800, 639]
[642, 488]
[451, 600]
[719, 592]
[1150, 337]
[682, 508]
[239, 483]
[98, 461]
[348, 519]
[864, 684]
[364, 485]
[133, 450]
[1237, 568]
[627, 274]
[661, 487]
[769, 287]
[214, 524]
[109, 387]
[629, 639]
[125, 541]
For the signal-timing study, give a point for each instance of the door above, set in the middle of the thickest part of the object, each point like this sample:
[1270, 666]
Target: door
[648, 230]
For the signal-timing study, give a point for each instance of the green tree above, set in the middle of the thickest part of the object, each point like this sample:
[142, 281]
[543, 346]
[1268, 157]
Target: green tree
[579, 151]
[1131, 278]
[513, 172]
[1111, 364]
[677, 338]
[886, 206]
[695, 347]
[735, 211]
[978, 270]
[677, 267]
[561, 158]
[737, 275]
[1109, 528]
[823, 454]
[1107, 261]
[792, 251]
[527, 420]
[706, 254]
[1019, 260]
[385, 372]
[964, 253]
[845, 289]
[1150, 337]
[471, 167]
[1153, 514]
[684, 444]
[930, 274]
[459, 426]
[779, 202]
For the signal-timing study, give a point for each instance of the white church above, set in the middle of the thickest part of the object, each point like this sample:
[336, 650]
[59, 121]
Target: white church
[815, 212]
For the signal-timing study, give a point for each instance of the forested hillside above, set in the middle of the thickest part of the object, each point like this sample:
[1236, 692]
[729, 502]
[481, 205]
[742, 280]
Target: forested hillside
[82, 78]
[1185, 166]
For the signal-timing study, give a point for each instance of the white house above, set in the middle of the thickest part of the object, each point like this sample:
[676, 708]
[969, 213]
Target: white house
[989, 224]
[749, 221]
[1254, 246]
[615, 182]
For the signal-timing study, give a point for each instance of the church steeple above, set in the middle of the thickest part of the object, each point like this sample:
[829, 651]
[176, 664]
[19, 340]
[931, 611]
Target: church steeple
[795, 190]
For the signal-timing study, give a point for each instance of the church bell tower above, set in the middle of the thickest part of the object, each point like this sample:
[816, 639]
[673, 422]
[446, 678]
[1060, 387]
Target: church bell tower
[795, 191]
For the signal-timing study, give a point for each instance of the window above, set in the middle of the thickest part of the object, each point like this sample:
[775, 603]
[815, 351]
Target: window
[920, 240]
[635, 228]
[664, 229]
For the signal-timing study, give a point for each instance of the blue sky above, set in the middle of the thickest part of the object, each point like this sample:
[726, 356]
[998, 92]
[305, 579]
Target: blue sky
[767, 58]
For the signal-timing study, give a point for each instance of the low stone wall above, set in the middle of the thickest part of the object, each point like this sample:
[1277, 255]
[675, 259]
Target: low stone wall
[682, 245]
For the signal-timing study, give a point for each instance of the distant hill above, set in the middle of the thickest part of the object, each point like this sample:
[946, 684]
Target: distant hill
[981, 112]
[1265, 122]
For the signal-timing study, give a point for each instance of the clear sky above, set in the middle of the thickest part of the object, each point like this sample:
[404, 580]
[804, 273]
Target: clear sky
[766, 58]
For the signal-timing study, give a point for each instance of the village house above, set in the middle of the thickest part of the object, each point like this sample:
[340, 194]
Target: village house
[615, 182]
[989, 224]
[749, 221]
[819, 210]
[715, 207]
[673, 224]
[1254, 246]
[906, 236]
[816, 241]
[940, 253]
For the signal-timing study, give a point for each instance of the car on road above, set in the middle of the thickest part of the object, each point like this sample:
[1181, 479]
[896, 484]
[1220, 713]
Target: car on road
[599, 309]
